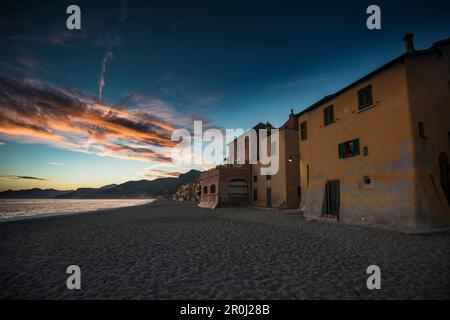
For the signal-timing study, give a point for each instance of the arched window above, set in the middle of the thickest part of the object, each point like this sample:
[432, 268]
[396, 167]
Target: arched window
[205, 190]
[212, 189]
[238, 187]
[445, 179]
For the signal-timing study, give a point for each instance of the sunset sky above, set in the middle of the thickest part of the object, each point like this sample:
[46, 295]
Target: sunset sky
[90, 107]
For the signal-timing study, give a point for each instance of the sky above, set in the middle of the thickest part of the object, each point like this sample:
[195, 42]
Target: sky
[91, 107]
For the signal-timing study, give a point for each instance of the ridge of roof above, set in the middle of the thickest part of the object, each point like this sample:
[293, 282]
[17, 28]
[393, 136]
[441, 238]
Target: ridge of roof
[433, 49]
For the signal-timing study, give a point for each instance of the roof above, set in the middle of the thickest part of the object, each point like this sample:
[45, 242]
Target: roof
[433, 49]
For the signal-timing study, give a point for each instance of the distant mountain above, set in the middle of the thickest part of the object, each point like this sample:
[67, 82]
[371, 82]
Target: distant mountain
[82, 193]
[131, 189]
[146, 188]
[33, 193]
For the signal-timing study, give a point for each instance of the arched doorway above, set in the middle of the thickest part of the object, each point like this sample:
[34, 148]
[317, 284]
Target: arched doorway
[445, 179]
[238, 187]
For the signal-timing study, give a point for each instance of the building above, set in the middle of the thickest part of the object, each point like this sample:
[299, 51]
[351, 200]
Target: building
[377, 151]
[189, 191]
[241, 182]
[225, 184]
[281, 190]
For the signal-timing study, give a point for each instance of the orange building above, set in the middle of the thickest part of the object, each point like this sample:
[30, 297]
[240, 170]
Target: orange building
[376, 152]
[241, 182]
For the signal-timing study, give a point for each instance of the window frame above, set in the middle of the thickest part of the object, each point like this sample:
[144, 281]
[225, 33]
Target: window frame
[365, 97]
[343, 153]
[325, 112]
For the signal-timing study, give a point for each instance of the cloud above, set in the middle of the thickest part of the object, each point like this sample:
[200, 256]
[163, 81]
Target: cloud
[101, 77]
[29, 62]
[13, 177]
[156, 173]
[60, 39]
[109, 42]
[55, 163]
[34, 112]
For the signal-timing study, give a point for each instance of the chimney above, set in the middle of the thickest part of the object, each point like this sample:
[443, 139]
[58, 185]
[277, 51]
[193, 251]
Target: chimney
[409, 43]
[292, 113]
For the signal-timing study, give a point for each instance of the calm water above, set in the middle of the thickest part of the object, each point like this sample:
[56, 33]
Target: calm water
[14, 208]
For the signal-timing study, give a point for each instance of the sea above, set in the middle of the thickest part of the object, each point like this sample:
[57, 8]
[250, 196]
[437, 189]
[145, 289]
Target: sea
[20, 208]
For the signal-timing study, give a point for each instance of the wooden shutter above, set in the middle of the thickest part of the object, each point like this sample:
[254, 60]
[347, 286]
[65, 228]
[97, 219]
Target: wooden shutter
[341, 150]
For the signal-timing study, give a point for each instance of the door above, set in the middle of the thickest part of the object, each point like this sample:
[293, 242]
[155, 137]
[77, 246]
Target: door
[269, 197]
[332, 201]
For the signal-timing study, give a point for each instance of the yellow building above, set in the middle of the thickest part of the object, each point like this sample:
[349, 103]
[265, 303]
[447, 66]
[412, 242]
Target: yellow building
[377, 151]
[281, 190]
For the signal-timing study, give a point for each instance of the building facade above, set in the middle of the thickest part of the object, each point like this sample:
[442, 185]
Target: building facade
[377, 151]
[241, 182]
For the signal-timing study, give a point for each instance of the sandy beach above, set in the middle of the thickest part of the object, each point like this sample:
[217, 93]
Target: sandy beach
[170, 250]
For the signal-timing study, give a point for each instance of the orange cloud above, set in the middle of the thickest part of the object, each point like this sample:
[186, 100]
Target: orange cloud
[34, 112]
[156, 173]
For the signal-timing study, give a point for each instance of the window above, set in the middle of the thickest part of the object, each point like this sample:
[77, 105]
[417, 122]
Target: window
[212, 189]
[299, 192]
[422, 130]
[269, 177]
[367, 180]
[255, 178]
[255, 194]
[238, 187]
[328, 115]
[365, 97]
[348, 149]
[303, 130]
[365, 151]
[205, 190]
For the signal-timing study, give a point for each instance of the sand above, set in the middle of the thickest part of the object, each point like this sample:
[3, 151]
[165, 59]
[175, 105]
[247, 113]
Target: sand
[170, 250]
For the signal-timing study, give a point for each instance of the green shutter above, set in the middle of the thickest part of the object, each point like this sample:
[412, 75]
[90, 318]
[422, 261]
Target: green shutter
[341, 150]
[356, 146]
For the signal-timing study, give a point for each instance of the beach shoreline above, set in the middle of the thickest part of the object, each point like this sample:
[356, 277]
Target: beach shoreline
[59, 214]
[176, 250]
